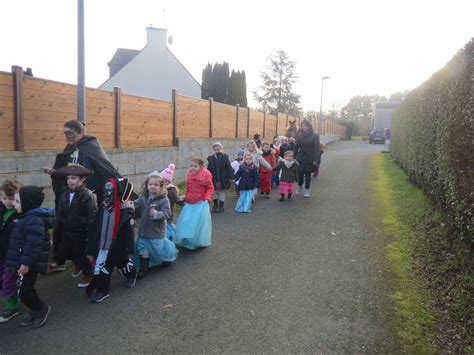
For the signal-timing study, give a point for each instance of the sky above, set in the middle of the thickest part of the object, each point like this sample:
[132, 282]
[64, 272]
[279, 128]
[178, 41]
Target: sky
[364, 46]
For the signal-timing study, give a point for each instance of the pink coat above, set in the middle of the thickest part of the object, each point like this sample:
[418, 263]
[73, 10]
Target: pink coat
[199, 186]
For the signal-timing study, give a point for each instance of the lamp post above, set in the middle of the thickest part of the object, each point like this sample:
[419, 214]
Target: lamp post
[81, 89]
[321, 105]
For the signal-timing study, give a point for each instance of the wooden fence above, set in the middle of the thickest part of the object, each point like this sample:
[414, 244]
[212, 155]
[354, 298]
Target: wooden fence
[33, 112]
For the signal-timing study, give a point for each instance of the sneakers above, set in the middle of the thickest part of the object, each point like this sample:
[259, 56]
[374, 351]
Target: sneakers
[131, 281]
[98, 297]
[306, 193]
[77, 271]
[8, 314]
[84, 282]
[299, 189]
[41, 316]
[28, 320]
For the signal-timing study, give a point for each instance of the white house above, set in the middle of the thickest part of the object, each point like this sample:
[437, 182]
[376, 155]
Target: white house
[152, 72]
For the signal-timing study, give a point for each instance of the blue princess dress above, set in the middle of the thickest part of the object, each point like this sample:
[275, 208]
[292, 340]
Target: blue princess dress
[244, 204]
[158, 250]
[194, 227]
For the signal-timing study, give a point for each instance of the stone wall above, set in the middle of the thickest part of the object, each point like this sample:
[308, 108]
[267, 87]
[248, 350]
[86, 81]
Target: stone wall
[132, 163]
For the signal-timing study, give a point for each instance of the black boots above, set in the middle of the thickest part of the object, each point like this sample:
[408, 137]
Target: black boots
[214, 207]
[220, 207]
[282, 198]
[144, 263]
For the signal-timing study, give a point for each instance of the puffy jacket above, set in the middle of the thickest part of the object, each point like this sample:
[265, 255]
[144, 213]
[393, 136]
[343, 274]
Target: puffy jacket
[270, 158]
[199, 186]
[249, 177]
[152, 227]
[6, 229]
[288, 174]
[75, 220]
[221, 170]
[29, 243]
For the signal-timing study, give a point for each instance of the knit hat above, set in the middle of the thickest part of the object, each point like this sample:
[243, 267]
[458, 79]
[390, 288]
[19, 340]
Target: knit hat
[31, 197]
[167, 174]
[241, 152]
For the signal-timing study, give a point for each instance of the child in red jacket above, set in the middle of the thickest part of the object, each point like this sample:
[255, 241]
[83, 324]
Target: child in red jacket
[267, 173]
[194, 227]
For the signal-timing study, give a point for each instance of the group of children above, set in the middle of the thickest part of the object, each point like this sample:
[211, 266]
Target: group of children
[100, 238]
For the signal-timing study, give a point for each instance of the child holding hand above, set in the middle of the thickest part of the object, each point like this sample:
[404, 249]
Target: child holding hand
[289, 175]
[249, 180]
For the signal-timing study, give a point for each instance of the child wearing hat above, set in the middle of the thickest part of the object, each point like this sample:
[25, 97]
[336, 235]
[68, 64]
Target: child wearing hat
[173, 197]
[28, 250]
[75, 218]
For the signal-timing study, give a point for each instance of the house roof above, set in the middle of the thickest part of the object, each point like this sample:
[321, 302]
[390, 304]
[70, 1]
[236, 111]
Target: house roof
[123, 56]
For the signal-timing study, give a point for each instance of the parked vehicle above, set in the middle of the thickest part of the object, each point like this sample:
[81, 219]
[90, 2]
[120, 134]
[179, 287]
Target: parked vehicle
[377, 136]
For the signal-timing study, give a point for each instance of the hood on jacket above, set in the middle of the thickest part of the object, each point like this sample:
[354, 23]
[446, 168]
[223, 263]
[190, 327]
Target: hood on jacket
[47, 214]
[31, 197]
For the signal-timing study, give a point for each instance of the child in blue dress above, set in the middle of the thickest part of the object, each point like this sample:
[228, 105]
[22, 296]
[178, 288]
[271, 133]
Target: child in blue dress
[194, 227]
[249, 180]
[153, 207]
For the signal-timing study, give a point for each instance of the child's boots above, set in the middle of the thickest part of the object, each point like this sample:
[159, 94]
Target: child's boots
[220, 207]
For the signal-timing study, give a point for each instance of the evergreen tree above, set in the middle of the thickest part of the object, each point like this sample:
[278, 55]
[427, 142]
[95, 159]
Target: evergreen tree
[206, 81]
[276, 92]
[233, 94]
[243, 90]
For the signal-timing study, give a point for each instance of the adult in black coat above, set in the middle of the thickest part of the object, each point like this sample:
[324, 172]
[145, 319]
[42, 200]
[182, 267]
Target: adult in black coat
[307, 154]
[84, 150]
[28, 251]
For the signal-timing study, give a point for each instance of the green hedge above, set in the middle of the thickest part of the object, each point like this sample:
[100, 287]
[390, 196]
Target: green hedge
[432, 139]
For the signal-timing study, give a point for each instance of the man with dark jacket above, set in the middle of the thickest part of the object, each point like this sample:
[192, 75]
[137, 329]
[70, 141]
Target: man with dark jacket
[28, 251]
[75, 218]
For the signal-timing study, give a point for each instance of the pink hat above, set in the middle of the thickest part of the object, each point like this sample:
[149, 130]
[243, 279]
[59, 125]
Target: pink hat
[167, 174]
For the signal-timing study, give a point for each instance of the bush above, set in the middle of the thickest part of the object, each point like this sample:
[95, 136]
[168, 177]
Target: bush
[432, 139]
[351, 128]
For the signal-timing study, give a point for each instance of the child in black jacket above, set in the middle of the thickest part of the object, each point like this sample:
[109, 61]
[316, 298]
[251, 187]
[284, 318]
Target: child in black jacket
[75, 216]
[8, 218]
[28, 251]
[222, 174]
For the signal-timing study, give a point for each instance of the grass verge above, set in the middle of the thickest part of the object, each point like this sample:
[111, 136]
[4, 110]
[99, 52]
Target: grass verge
[434, 275]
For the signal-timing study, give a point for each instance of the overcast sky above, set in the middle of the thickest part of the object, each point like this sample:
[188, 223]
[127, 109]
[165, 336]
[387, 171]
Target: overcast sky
[366, 47]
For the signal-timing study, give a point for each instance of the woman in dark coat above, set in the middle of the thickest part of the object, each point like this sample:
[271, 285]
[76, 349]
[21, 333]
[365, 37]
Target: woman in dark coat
[307, 154]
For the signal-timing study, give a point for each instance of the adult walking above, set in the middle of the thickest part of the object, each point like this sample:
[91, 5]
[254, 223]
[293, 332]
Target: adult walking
[307, 154]
[84, 150]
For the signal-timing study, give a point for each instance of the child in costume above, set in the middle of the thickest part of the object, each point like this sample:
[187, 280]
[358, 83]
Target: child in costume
[75, 221]
[258, 160]
[194, 227]
[289, 175]
[249, 179]
[28, 250]
[219, 166]
[113, 240]
[153, 209]
[173, 197]
[267, 174]
[235, 166]
[8, 218]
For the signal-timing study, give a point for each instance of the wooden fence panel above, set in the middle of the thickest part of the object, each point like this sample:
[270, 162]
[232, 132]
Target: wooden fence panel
[223, 120]
[146, 122]
[281, 124]
[243, 116]
[270, 128]
[100, 116]
[256, 123]
[192, 117]
[7, 112]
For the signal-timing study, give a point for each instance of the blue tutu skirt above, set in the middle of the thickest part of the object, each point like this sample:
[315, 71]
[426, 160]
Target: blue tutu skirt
[160, 250]
[244, 204]
[171, 232]
[194, 227]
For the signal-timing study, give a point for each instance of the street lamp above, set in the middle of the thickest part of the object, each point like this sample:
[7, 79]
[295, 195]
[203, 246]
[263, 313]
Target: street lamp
[81, 89]
[321, 105]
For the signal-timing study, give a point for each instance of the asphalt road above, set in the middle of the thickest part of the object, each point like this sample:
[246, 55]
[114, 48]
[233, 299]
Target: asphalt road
[306, 276]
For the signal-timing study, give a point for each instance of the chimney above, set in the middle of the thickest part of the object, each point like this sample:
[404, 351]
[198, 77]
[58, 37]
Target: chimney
[156, 37]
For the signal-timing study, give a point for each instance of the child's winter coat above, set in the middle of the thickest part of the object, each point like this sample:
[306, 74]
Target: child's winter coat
[199, 186]
[248, 176]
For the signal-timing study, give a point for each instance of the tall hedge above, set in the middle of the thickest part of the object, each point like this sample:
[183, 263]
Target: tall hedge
[432, 139]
